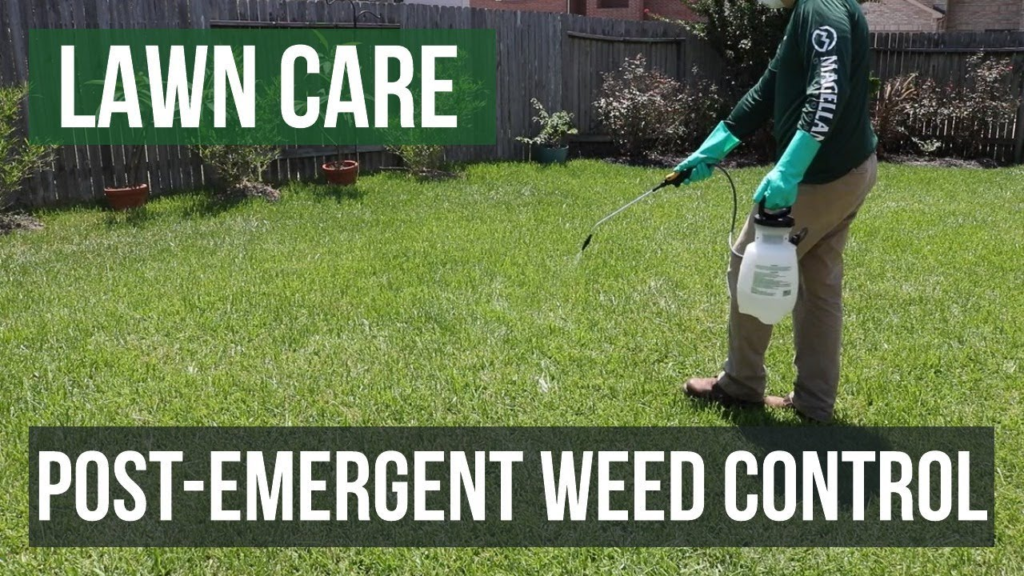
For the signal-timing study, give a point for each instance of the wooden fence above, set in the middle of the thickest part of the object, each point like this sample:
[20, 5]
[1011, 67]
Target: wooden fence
[943, 58]
[556, 58]
[546, 56]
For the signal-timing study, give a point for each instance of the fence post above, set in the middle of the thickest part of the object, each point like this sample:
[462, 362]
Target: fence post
[1018, 147]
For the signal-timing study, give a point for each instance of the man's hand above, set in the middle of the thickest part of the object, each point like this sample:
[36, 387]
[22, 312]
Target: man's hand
[711, 152]
[779, 187]
[700, 166]
[777, 190]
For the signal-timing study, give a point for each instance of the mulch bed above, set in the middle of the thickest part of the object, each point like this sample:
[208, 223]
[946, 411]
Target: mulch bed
[669, 162]
[748, 160]
[655, 161]
[251, 190]
[430, 174]
[11, 221]
[941, 162]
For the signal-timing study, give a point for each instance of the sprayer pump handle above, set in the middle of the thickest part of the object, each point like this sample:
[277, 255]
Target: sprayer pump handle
[775, 219]
[761, 210]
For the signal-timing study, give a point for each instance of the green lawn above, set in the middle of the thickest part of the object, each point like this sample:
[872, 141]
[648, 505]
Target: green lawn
[464, 303]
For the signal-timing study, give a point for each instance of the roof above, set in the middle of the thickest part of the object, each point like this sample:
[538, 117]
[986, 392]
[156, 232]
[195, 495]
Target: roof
[932, 9]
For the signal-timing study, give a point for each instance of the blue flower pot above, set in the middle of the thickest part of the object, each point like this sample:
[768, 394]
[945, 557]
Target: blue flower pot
[549, 155]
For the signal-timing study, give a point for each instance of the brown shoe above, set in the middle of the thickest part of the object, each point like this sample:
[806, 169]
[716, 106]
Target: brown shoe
[709, 390]
[786, 402]
[779, 401]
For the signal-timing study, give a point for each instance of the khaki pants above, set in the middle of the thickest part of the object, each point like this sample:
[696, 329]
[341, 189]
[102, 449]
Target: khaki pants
[827, 211]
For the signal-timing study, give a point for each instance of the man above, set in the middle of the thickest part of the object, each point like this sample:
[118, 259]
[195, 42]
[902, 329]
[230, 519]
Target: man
[817, 90]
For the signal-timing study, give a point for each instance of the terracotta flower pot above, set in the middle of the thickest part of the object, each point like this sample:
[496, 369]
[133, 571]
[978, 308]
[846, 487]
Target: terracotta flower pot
[344, 172]
[126, 198]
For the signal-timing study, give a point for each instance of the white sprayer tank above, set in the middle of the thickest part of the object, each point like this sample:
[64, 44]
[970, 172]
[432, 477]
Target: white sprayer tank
[769, 274]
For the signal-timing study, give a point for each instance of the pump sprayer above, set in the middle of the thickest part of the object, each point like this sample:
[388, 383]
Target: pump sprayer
[769, 274]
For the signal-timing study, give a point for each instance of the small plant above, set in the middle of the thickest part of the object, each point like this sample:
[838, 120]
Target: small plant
[338, 170]
[554, 128]
[422, 160]
[240, 168]
[130, 189]
[133, 175]
[893, 114]
[875, 84]
[19, 159]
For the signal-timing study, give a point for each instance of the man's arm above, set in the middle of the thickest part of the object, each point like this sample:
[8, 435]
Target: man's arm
[756, 107]
[825, 44]
[751, 113]
[824, 41]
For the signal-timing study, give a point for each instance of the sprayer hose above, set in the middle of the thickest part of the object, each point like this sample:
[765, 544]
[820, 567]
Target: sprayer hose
[735, 204]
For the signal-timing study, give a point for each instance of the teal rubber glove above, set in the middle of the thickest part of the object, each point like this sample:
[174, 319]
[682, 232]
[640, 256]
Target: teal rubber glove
[712, 151]
[778, 189]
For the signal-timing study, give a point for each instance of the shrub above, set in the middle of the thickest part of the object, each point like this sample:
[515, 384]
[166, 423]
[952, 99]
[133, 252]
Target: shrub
[642, 109]
[743, 33]
[909, 111]
[422, 161]
[554, 128]
[240, 168]
[906, 112]
[648, 113]
[893, 114]
[18, 158]
[703, 105]
[984, 101]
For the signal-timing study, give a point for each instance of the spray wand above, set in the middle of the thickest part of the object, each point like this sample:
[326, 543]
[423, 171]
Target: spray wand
[673, 179]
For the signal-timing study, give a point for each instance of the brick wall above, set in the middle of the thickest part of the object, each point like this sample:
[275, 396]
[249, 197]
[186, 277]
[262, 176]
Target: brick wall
[634, 10]
[984, 15]
[899, 16]
[672, 9]
[530, 5]
[457, 3]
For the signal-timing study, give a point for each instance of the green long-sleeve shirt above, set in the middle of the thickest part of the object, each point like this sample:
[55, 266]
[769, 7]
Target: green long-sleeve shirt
[818, 82]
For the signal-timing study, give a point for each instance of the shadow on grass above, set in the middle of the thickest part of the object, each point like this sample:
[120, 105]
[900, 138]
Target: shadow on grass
[336, 192]
[131, 218]
[209, 204]
[760, 415]
[200, 203]
[820, 438]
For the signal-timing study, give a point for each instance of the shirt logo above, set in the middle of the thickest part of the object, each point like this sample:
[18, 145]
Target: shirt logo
[824, 39]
